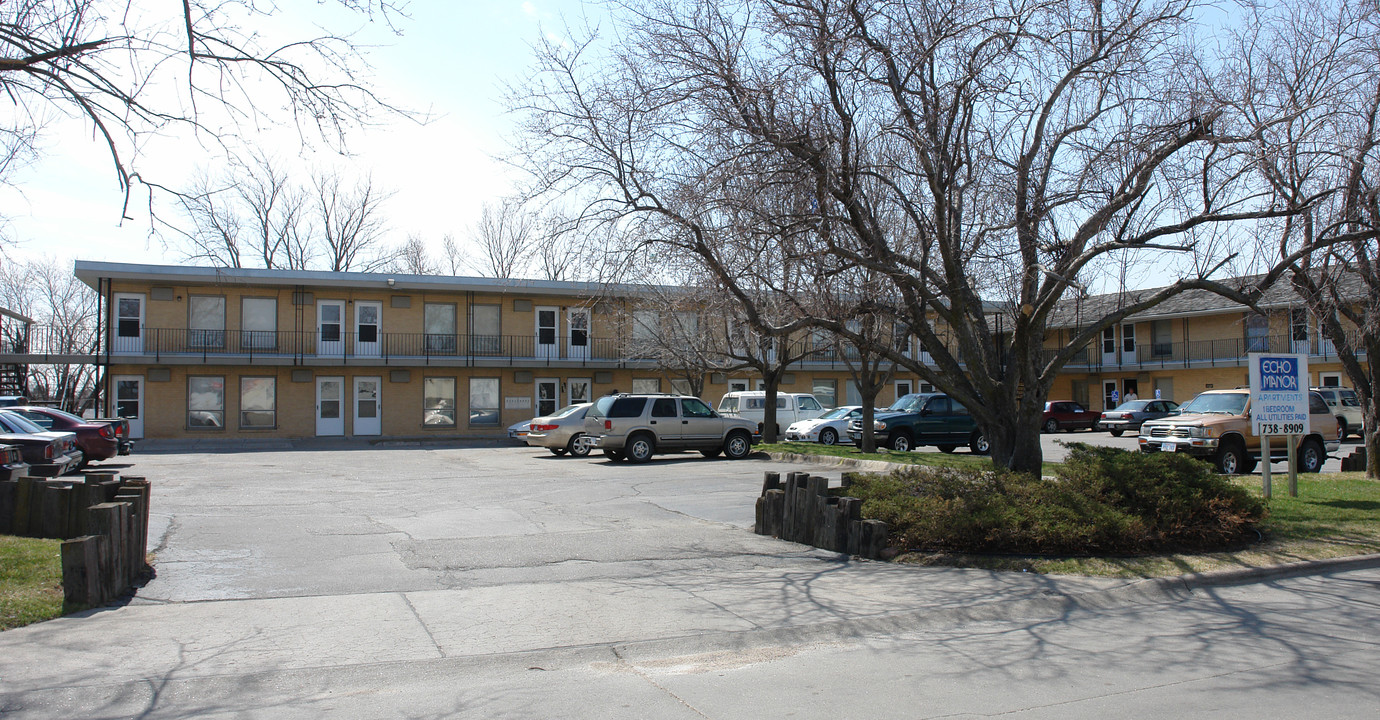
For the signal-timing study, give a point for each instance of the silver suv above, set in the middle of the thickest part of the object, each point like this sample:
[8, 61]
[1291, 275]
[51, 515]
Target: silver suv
[636, 427]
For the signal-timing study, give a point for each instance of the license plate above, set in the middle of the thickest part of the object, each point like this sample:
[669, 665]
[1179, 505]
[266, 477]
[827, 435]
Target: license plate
[1167, 447]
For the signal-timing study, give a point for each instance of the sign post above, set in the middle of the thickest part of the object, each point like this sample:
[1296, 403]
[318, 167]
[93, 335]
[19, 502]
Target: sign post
[1279, 406]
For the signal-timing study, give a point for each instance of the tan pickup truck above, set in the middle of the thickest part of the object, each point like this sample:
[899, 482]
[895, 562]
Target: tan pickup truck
[1216, 426]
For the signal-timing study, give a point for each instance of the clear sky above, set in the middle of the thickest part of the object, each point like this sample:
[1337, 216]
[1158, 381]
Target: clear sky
[450, 61]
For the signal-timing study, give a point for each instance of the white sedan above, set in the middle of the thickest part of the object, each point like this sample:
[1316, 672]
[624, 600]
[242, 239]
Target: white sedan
[831, 428]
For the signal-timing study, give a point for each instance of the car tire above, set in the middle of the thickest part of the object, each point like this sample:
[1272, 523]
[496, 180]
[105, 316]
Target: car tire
[557, 451]
[1230, 459]
[901, 442]
[828, 436]
[1116, 433]
[640, 448]
[1249, 467]
[711, 452]
[575, 448]
[737, 446]
[978, 444]
[1342, 430]
[1051, 426]
[947, 448]
[1311, 456]
[614, 455]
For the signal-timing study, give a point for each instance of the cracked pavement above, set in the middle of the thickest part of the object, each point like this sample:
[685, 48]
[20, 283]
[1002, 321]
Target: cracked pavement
[463, 581]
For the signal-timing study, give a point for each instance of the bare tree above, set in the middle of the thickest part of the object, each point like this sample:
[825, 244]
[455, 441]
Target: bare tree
[412, 258]
[505, 238]
[1318, 62]
[251, 215]
[351, 224]
[64, 312]
[131, 70]
[984, 157]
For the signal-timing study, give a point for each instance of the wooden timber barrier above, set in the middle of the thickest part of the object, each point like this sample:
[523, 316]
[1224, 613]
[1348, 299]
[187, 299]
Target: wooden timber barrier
[104, 521]
[1356, 461]
[802, 510]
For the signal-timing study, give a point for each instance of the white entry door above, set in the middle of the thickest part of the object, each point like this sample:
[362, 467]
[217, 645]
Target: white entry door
[330, 327]
[330, 396]
[1128, 343]
[578, 347]
[580, 390]
[367, 315]
[1109, 346]
[129, 323]
[368, 406]
[548, 396]
[548, 329]
[129, 402]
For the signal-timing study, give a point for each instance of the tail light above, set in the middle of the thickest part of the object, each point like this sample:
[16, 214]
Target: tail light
[543, 428]
[107, 432]
[608, 424]
[48, 451]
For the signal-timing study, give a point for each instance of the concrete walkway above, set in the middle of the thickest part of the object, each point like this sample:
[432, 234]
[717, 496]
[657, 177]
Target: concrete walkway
[368, 581]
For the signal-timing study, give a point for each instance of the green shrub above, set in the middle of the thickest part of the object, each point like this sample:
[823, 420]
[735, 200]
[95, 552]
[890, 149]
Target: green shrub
[1104, 501]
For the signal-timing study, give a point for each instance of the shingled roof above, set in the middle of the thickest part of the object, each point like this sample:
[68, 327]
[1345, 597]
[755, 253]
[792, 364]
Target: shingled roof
[1074, 310]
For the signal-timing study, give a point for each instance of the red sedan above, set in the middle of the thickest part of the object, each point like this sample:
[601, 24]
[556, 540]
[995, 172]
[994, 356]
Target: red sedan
[96, 440]
[1067, 415]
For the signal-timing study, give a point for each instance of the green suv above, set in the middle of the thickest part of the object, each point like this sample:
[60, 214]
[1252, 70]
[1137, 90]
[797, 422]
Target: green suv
[924, 419]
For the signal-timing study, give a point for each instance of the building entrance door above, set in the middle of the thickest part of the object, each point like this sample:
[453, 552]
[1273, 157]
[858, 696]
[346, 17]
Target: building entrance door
[368, 420]
[129, 403]
[330, 394]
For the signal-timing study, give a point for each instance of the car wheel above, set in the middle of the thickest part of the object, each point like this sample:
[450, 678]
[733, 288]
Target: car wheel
[711, 452]
[947, 448]
[828, 436]
[1116, 433]
[640, 448]
[901, 442]
[614, 455]
[557, 451]
[1341, 428]
[1051, 426]
[575, 448]
[1230, 459]
[737, 446]
[1249, 467]
[1311, 456]
[978, 443]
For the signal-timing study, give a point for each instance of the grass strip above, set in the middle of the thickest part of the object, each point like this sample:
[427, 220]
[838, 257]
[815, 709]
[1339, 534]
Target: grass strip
[30, 580]
[962, 459]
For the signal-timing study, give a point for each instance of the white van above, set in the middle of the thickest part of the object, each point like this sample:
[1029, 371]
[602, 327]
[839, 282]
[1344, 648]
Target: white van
[790, 407]
[1346, 405]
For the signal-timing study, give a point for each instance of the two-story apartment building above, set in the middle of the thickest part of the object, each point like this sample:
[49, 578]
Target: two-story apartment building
[217, 352]
[196, 352]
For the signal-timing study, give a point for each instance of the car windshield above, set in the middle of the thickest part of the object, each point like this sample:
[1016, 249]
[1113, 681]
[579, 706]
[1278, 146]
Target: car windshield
[835, 414]
[907, 403]
[19, 423]
[1228, 403]
[1133, 406]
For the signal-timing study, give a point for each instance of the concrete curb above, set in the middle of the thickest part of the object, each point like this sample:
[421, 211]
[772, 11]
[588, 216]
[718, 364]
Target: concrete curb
[834, 461]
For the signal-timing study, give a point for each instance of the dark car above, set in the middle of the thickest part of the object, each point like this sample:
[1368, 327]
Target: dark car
[97, 440]
[924, 419]
[12, 463]
[48, 454]
[1067, 415]
[1130, 415]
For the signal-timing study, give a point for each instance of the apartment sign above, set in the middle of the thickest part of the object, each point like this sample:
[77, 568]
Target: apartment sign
[1279, 393]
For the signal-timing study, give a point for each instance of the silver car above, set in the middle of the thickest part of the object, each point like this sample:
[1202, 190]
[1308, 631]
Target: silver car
[560, 431]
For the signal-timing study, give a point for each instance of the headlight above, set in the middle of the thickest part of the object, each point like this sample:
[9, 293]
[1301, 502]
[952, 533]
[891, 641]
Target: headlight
[1199, 432]
[878, 425]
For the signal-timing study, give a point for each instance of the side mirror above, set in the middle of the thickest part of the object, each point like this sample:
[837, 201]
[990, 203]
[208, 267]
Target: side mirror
[924, 412]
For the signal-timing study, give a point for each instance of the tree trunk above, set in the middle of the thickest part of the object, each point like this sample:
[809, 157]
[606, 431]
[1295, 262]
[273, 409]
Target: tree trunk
[868, 443]
[1370, 432]
[770, 381]
[1015, 437]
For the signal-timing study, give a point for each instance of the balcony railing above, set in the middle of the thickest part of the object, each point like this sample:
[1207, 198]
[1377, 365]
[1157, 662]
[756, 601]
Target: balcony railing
[251, 344]
[1197, 353]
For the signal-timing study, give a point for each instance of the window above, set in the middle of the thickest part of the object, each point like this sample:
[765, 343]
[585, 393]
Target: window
[695, 408]
[438, 323]
[205, 401]
[642, 386]
[681, 386]
[809, 403]
[206, 321]
[626, 407]
[486, 334]
[938, 406]
[1161, 339]
[687, 328]
[1257, 333]
[258, 402]
[664, 408]
[483, 401]
[259, 323]
[827, 392]
[438, 402]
